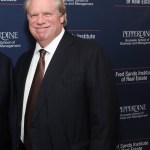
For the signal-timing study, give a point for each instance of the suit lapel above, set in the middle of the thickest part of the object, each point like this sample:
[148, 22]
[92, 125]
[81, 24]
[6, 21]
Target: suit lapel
[56, 66]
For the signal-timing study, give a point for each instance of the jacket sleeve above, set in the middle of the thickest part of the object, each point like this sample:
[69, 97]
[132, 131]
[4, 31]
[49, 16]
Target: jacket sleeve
[104, 108]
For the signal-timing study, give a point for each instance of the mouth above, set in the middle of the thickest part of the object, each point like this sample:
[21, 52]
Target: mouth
[41, 29]
[38, 28]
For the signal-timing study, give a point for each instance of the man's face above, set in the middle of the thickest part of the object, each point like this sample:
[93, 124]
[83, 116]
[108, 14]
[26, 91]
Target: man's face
[45, 22]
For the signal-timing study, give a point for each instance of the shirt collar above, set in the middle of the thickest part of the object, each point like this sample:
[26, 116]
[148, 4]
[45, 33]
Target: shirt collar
[50, 48]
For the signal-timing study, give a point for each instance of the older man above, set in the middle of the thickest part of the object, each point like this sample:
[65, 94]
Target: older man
[66, 96]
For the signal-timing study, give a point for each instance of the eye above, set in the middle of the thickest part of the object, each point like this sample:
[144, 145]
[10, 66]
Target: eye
[32, 16]
[47, 14]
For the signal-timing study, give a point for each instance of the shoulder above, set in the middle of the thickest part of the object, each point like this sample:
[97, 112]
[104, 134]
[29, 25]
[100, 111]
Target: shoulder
[4, 58]
[88, 51]
[88, 47]
[5, 66]
[24, 56]
[83, 45]
[5, 62]
[24, 59]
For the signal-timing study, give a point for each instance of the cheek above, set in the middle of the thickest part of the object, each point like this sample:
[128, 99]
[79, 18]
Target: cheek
[32, 23]
[32, 30]
[30, 26]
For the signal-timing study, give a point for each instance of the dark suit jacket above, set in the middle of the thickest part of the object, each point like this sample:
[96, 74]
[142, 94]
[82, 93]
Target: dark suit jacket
[5, 98]
[76, 108]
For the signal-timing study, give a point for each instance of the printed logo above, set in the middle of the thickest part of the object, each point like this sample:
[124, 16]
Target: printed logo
[132, 75]
[133, 112]
[136, 144]
[87, 36]
[134, 3]
[138, 2]
[9, 40]
[79, 3]
[135, 38]
[8, 0]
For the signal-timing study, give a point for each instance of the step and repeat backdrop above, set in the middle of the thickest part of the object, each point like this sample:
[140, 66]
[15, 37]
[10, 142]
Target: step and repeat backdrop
[122, 28]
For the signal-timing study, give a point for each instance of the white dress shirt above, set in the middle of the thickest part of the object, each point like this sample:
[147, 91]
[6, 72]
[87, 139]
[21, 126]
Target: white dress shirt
[50, 50]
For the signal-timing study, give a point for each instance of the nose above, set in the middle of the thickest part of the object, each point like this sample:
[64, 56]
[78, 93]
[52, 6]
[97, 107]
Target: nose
[40, 19]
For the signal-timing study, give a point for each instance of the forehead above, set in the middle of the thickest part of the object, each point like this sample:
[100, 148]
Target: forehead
[41, 5]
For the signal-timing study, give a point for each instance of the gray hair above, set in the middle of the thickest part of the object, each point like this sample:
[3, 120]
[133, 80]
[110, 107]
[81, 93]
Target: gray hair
[59, 5]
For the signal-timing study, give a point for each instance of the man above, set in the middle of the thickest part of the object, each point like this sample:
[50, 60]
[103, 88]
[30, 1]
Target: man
[5, 100]
[75, 107]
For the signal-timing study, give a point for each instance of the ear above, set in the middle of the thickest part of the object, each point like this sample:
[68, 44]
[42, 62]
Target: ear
[62, 19]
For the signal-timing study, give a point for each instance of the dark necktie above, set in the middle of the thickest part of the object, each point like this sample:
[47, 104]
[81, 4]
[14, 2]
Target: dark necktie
[32, 98]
